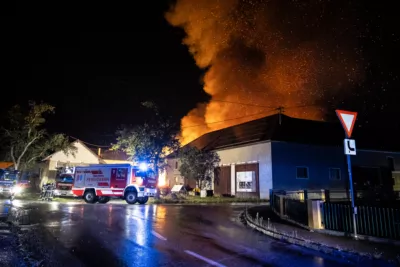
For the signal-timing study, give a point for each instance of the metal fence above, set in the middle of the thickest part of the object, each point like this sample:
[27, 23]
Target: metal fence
[372, 221]
[276, 203]
[329, 195]
[296, 210]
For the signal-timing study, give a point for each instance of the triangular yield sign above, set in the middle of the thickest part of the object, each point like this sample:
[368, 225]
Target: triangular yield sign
[347, 118]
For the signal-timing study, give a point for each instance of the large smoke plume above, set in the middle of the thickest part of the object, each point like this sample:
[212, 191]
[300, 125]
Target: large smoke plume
[268, 54]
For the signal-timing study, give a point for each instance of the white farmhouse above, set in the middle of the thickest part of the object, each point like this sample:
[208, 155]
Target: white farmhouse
[82, 156]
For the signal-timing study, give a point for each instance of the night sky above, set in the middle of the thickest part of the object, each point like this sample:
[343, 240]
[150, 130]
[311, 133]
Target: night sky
[97, 63]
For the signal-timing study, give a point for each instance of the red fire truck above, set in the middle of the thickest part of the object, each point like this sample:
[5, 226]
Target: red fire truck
[101, 182]
[64, 182]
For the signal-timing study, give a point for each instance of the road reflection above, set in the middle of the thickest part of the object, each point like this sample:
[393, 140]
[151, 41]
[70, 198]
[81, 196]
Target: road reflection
[139, 245]
[135, 228]
[159, 235]
[110, 216]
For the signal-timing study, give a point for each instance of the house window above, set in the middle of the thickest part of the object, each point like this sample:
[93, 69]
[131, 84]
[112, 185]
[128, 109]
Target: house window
[246, 181]
[390, 161]
[301, 172]
[176, 165]
[334, 174]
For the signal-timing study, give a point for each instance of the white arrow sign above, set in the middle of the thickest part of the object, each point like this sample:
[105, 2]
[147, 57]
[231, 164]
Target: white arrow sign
[350, 147]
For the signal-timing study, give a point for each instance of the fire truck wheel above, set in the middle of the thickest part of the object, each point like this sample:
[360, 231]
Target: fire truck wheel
[89, 197]
[131, 197]
[143, 200]
[103, 200]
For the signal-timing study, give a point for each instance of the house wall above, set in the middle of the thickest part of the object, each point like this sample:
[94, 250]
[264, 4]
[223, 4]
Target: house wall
[257, 153]
[375, 158]
[172, 174]
[115, 161]
[82, 156]
[318, 160]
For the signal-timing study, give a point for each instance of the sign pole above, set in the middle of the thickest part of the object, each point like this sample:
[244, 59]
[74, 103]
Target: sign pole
[348, 118]
[354, 211]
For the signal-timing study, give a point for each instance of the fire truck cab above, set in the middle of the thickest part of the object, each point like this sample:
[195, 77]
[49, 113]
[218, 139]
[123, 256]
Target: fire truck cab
[64, 182]
[101, 182]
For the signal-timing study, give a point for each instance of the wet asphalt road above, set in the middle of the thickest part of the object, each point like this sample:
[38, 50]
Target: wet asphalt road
[165, 235]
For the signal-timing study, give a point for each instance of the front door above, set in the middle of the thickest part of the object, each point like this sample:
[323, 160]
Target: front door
[222, 181]
[119, 177]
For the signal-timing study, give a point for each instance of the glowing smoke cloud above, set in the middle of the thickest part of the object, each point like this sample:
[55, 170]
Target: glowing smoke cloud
[267, 53]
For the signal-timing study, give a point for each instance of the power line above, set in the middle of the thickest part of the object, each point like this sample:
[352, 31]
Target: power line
[226, 120]
[301, 106]
[240, 103]
[87, 143]
[279, 109]
[262, 106]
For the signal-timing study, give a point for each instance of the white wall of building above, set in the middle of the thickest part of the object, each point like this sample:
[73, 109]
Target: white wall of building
[172, 174]
[82, 155]
[261, 153]
[256, 153]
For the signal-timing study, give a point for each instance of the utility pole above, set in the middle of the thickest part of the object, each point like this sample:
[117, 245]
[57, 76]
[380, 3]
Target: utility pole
[348, 118]
[280, 111]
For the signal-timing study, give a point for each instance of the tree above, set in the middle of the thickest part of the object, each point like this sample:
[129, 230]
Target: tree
[151, 141]
[26, 141]
[198, 165]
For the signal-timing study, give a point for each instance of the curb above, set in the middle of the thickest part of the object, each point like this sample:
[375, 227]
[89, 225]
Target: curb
[353, 256]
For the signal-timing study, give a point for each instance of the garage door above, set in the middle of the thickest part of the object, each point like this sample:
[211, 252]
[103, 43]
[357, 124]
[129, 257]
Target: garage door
[247, 180]
[222, 182]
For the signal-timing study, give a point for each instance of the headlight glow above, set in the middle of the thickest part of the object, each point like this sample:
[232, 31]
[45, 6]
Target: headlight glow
[17, 190]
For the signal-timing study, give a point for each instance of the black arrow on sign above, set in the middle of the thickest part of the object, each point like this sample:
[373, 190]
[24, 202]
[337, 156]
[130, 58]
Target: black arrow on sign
[348, 146]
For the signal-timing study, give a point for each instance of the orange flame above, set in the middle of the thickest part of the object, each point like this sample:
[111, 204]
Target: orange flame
[162, 178]
[265, 54]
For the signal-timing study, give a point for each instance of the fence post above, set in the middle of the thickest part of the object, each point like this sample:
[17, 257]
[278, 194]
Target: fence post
[314, 214]
[327, 195]
[281, 206]
[271, 198]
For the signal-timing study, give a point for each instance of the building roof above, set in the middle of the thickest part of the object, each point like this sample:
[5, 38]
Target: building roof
[76, 141]
[113, 155]
[287, 129]
[106, 155]
[5, 164]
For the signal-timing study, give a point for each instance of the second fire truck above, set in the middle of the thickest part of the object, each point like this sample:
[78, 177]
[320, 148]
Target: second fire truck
[64, 182]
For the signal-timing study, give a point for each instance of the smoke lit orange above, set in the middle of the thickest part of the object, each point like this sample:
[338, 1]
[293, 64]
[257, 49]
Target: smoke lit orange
[267, 54]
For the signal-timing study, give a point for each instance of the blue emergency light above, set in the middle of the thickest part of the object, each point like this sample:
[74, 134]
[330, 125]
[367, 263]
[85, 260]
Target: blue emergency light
[143, 166]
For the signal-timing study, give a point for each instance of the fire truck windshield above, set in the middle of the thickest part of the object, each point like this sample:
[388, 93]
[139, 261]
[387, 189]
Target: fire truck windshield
[144, 174]
[66, 178]
[8, 176]
[151, 174]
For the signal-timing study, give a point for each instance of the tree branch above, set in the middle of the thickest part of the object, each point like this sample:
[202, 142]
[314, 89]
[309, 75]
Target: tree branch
[29, 161]
[13, 157]
[7, 132]
[25, 149]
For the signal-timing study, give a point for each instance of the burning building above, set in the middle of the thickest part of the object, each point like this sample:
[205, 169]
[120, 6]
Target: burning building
[261, 55]
[283, 153]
